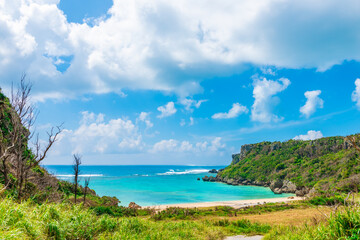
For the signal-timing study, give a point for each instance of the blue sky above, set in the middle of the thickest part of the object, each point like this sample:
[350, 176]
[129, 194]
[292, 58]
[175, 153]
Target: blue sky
[156, 82]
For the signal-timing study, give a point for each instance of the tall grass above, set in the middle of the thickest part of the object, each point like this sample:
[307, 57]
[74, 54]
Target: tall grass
[27, 220]
[344, 224]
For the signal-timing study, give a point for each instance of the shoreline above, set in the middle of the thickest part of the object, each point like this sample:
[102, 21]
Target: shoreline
[235, 204]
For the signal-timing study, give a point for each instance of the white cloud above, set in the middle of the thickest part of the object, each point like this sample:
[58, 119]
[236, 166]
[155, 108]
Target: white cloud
[263, 93]
[144, 117]
[190, 104]
[311, 135]
[172, 145]
[167, 110]
[234, 112]
[182, 122]
[170, 45]
[191, 121]
[312, 103]
[355, 97]
[94, 135]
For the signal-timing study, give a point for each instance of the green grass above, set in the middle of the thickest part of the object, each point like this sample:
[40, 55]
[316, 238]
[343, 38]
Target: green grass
[225, 211]
[28, 220]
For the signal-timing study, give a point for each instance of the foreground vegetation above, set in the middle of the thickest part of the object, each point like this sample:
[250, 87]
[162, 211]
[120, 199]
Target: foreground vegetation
[67, 221]
[343, 224]
[30, 220]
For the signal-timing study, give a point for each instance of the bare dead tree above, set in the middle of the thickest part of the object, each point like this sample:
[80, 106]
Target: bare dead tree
[76, 170]
[26, 158]
[8, 138]
[87, 181]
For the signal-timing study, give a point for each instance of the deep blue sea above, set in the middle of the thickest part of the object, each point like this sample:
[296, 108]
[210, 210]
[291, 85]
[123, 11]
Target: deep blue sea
[155, 185]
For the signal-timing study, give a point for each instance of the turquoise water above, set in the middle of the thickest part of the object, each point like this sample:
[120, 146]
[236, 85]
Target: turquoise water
[155, 185]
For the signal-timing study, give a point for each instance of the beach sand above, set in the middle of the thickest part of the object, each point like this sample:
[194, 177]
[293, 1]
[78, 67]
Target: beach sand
[234, 204]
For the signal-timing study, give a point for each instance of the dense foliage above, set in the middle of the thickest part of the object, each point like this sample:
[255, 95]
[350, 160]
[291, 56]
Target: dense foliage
[323, 163]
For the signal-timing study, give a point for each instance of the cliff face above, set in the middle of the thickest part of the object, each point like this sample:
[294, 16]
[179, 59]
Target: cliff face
[295, 166]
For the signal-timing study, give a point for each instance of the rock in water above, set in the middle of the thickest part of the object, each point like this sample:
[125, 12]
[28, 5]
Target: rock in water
[213, 171]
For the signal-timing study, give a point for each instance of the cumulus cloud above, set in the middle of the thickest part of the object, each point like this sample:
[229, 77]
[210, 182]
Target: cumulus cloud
[144, 117]
[355, 97]
[313, 101]
[170, 45]
[172, 145]
[234, 112]
[311, 135]
[94, 135]
[167, 110]
[263, 93]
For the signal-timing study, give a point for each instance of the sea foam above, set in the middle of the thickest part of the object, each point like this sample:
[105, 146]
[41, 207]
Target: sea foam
[193, 171]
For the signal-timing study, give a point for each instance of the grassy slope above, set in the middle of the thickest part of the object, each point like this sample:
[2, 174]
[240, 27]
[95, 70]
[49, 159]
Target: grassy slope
[65, 221]
[326, 161]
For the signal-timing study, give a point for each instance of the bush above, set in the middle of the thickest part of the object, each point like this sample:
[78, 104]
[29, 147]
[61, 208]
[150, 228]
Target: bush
[328, 201]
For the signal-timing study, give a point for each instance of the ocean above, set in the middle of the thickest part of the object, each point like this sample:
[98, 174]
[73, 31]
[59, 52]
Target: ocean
[157, 185]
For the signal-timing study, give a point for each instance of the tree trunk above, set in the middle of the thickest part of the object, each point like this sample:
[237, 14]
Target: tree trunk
[76, 186]
[85, 195]
[5, 173]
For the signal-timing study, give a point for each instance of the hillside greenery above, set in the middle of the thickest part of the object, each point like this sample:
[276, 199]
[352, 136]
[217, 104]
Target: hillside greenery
[40, 186]
[326, 163]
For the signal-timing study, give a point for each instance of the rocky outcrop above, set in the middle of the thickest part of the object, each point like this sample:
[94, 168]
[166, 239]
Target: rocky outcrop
[285, 186]
[278, 186]
[213, 171]
[133, 205]
[245, 149]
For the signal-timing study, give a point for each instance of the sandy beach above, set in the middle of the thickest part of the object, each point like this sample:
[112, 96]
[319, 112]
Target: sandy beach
[234, 204]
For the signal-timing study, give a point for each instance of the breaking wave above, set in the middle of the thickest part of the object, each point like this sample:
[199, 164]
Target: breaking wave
[193, 171]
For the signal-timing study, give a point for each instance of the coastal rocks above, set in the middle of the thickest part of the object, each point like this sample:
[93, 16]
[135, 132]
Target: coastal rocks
[280, 186]
[302, 191]
[213, 171]
[209, 179]
[288, 187]
[133, 205]
[277, 186]
[198, 179]
[277, 191]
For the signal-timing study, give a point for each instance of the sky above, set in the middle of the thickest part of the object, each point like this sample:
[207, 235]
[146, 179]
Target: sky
[183, 82]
